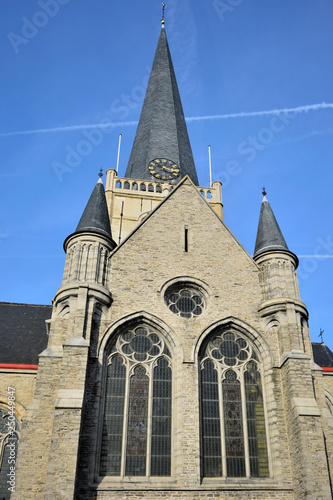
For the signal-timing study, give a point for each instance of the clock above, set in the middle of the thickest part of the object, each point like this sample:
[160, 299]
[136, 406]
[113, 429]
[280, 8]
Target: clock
[163, 169]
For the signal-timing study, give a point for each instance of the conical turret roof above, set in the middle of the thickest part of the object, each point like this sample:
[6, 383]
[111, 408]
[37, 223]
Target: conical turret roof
[162, 131]
[95, 217]
[269, 235]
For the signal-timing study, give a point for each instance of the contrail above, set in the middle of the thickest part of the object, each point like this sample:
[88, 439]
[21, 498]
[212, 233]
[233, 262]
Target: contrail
[244, 114]
[270, 112]
[314, 133]
[70, 128]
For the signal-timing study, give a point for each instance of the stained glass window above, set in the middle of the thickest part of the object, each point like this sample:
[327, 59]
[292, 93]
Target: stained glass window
[256, 422]
[136, 439]
[211, 432]
[185, 300]
[233, 430]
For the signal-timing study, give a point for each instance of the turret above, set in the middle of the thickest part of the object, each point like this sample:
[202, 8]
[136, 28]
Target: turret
[273, 256]
[89, 247]
[84, 285]
[281, 308]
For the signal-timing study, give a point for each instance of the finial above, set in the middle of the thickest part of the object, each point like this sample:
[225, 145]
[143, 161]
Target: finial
[163, 8]
[264, 191]
[321, 335]
[100, 175]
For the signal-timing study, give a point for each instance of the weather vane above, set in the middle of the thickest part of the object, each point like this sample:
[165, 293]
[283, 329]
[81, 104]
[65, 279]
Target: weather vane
[163, 9]
[264, 191]
[100, 172]
[321, 335]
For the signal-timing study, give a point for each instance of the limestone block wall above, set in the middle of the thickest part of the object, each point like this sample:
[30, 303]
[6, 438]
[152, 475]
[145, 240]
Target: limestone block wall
[184, 241]
[87, 260]
[33, 450]
[130, 200]
[305, 432]
[278, 278]
[23, 382]
[142, 269]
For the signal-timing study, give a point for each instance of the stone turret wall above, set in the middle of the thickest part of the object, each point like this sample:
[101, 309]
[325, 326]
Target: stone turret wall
[278, 278]
[87, 259]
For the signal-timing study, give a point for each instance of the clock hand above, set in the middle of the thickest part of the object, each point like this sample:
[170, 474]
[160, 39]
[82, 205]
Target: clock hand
[171, 169]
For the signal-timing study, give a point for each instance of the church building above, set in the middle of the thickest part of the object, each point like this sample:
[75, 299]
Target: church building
[173, 364]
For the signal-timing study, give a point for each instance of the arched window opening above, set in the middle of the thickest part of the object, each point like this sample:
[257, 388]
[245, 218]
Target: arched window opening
[136, 439]
[150, 188]
[135, 186]
[233, 429]
[119, 185]
[158, 189]
[142, 187]
[9, 436]
[127, 185]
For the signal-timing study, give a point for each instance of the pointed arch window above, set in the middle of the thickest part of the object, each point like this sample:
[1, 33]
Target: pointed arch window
[136, 439]
[233, 430]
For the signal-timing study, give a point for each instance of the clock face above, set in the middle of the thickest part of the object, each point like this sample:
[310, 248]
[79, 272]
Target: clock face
[163, 169]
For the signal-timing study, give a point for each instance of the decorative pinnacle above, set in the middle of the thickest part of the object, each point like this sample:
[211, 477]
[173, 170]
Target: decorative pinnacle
[163, 8]
[264, 191]
[100, 175]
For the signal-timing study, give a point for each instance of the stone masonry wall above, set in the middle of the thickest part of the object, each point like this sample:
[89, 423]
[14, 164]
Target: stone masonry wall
[141, 270]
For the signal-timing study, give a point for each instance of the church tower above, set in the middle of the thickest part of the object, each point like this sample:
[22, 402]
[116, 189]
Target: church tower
[177, 365]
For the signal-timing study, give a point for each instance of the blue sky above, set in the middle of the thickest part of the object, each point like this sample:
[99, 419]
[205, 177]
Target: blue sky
[70, 65]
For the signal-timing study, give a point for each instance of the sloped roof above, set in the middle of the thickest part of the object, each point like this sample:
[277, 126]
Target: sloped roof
[162, 131]
[323, 356]
[269, 235]
[95, 217]
[22, 332]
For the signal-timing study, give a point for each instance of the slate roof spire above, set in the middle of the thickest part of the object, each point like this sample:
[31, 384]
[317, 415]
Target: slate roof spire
[95, 217]
[269, 235]
[162, 131]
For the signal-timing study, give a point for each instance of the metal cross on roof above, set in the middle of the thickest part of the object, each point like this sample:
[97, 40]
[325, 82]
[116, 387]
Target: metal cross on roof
[163, 8]
[321, 335]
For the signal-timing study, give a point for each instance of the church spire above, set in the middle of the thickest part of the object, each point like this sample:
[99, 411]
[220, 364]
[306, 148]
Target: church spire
[162, 132]
[269, 235]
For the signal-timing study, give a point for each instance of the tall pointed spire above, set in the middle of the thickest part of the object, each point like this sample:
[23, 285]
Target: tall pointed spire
[162, 132]
[269, 235]
[95, 217]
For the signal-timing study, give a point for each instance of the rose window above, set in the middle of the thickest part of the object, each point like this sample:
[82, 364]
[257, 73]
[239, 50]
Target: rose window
[186, 302]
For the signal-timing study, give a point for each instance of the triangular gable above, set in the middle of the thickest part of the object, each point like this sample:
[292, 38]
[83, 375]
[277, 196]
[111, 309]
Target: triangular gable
[186, 181]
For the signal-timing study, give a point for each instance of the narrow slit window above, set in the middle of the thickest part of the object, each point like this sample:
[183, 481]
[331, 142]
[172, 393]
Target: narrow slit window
[186, 240]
